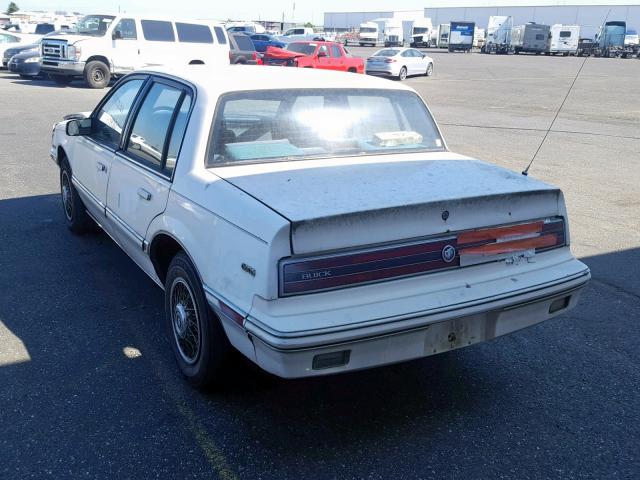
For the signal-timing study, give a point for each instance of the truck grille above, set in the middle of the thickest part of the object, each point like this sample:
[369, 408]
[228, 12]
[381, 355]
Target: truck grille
[54, 49]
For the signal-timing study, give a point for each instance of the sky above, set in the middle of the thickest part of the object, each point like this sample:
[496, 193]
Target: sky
[304, 10]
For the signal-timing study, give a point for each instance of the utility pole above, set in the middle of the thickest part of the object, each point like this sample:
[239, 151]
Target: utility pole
[293, 14]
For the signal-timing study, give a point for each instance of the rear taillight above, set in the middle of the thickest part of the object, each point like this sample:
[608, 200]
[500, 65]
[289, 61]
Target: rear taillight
[390, 60]
[451, 251]
[254, 56]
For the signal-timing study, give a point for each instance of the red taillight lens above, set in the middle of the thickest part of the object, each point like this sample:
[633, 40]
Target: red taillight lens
[451, 251]
[390, 60]
[254, 56]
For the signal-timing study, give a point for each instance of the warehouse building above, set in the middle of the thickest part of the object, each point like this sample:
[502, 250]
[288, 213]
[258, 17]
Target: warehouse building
[589, 15]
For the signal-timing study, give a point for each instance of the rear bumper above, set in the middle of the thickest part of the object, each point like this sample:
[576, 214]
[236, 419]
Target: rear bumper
[62, 67]
[441, 325]
[381, 73]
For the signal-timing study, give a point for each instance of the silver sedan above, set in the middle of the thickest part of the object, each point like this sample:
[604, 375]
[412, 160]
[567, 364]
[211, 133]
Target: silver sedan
[399, 63]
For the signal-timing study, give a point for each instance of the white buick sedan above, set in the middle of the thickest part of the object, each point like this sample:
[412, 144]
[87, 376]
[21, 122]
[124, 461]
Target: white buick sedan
[315, 222]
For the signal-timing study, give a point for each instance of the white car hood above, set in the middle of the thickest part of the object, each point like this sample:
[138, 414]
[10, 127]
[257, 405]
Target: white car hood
[393, 196]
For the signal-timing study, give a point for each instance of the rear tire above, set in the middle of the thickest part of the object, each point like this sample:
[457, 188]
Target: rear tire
[197, 338]
[429, 71]
[403, 74]
[97, 74]
[61, 80]
[75, 213]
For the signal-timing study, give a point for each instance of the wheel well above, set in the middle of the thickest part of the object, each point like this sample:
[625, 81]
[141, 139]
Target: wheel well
[196, 62]
[100, 58]
[161, 251]
[61, 156]
[352, 70]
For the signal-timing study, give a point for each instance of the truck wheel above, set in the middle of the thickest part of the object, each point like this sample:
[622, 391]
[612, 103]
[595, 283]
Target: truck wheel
[61, 79]
[352, 70]
[403, 74]
[97, 74]
[197, 338]
[429, 71]
[75, 213]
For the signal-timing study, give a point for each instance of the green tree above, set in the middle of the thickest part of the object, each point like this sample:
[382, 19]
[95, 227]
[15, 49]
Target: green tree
[308, 25]
[12, 8]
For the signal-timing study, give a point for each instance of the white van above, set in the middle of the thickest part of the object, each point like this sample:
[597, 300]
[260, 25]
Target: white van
[103, 46]
[368, 34]
[564, 39]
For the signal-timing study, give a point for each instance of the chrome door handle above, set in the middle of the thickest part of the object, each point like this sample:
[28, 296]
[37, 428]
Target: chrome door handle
[143, 194]
[101, 167]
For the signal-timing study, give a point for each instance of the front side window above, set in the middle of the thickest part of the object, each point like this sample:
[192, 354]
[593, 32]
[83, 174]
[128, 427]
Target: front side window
[157, 31]
[93, 25]
[108, 122]
[273, 125]
[126, 29]
[222, 38]
[152, 124]
[191, 33]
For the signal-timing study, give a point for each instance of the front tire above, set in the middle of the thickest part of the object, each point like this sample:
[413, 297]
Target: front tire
[197, 338]
[75, 213]
[97, 74]
[403, 74]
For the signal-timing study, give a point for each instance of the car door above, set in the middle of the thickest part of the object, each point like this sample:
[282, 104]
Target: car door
[126, 50]
[92, 155]
[338, 60]
[323, 60]
[143, 169]
[158, 43]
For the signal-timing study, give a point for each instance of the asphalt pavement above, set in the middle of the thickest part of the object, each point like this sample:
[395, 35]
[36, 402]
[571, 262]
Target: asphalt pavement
[89, 387]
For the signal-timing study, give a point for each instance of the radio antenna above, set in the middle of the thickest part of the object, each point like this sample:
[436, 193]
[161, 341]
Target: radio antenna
[525, 172]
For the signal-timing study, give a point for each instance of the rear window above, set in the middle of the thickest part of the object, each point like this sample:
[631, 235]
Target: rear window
[191, 33]
[539, 36]
[304, 48]
[244, 42]
[222, 38]
[565, 34]
[271, 125]
[386, 53]
[157, 31]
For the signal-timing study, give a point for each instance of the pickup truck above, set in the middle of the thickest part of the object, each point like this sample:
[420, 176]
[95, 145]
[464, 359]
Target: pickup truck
[323, 55]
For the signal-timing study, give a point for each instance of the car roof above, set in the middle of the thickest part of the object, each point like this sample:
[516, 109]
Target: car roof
[234, 78]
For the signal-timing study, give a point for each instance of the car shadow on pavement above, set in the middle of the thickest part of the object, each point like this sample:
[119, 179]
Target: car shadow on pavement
[85, 359]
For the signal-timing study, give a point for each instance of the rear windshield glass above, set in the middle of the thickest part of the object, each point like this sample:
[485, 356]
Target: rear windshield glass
[388, 52]
[244, 42]
[565, 34]
[271, 125]
[304, 48]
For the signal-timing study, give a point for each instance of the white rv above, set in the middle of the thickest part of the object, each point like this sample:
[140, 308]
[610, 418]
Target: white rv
[421, 33]
[393, 33]
[368, 34]
[564, 39]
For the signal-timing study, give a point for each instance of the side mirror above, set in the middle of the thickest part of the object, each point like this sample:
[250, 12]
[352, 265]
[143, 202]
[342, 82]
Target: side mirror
[117, 35]
[322, 54]
[76, 128]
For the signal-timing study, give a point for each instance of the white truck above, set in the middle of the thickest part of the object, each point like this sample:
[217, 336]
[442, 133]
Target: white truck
[421, 33]
[106, 46]
[393, 33]
[443, 35]
[564, 39]
[498, 34]
[368, 34]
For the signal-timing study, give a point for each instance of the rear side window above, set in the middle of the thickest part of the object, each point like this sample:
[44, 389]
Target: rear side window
[191, 33]
[177, 135]
[335, 51]
[244, 42]
[157, 31]
[109, 122]
[222, 38]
